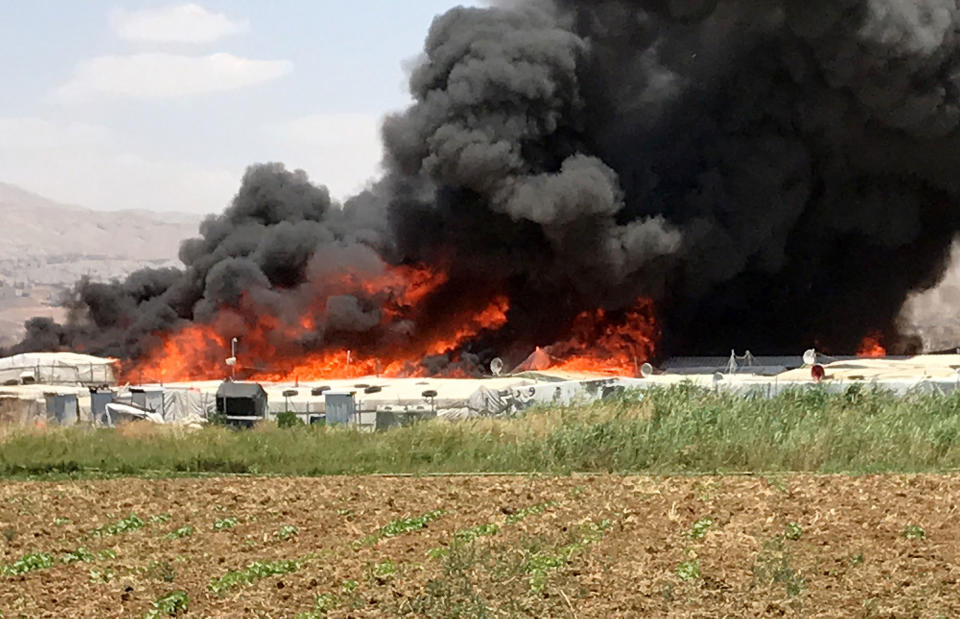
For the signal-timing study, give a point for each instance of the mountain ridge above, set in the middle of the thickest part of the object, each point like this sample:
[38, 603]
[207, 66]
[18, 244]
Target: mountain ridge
[46, 246]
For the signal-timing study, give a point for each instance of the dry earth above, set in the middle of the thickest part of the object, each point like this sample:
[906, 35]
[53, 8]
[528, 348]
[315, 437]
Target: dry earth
[589, 546]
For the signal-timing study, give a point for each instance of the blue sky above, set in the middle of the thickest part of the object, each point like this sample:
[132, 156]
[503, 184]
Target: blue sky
[161, 105]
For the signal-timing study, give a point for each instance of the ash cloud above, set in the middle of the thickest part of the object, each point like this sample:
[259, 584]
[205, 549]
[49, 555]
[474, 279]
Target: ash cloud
[774, 174]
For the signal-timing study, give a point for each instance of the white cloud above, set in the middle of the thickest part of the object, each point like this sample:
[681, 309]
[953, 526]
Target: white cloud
[341, 151]
[166, 75]
[180, 23]
[82, 164]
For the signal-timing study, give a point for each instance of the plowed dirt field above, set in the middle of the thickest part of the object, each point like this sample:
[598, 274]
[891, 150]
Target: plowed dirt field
[589, 546]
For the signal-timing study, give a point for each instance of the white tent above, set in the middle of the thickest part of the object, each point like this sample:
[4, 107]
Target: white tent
[56, 368]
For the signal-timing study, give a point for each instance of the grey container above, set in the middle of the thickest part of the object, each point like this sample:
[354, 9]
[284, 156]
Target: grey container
[148, 399]
[98, 406]
[63, 407]
[340, 407]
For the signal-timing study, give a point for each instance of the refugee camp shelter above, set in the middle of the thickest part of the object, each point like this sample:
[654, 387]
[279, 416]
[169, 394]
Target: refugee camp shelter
[242, 403]
[56, 368]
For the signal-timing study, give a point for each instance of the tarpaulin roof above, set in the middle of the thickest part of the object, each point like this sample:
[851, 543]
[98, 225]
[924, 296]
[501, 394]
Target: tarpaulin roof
[230, 389]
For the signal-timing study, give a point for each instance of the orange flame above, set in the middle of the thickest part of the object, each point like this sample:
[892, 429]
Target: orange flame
[288, 335]
[601, 344]
[275, 348]
[872, 347]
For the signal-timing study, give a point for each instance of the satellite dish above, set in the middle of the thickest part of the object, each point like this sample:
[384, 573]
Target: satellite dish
[319, 390]
[289, 393]
[373, 389]
[718, 377]
[496, 366]
[810, 357]
[646, 370]
[430, 393]
[232, 361]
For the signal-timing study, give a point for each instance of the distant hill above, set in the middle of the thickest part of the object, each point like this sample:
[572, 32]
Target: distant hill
[36, 226]
[46, 246]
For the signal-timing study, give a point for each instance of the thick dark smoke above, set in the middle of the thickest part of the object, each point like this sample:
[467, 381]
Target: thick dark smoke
[774, 174]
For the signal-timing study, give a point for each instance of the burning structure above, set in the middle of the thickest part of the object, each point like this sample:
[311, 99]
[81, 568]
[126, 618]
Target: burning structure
[610, 180]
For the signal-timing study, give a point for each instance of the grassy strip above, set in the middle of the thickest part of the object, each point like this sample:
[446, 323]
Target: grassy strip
[666, 431]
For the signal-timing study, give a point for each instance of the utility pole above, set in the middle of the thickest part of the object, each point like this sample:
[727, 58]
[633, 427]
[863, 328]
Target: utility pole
[233, 355]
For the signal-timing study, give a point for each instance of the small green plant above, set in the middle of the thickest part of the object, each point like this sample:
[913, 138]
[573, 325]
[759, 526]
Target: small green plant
[252, 573]
[777, 483]
[28, 563]
[538, 568]
[689, 570]
[186, 531]
[914, 531]
[161, 570]
[225, 524]
[526, 512]
[794, 531]
[857, 559]
[97, 576]
[349, 586]
[170, 605]
[481, 530]
[384, 571]
[539, 565]
[288, 419]
[322, 604]
[438, 552]
[59, 522]
[401, 526]
[286, 532]
[125, 525]
[159, 518]
[700, 527]
[774, 566]
[80, 554]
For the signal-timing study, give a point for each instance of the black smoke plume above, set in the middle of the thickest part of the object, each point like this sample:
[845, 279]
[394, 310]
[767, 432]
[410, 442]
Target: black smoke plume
[774, 174]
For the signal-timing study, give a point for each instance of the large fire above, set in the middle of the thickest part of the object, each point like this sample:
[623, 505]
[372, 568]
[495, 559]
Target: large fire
[275, 347]
[872, 347]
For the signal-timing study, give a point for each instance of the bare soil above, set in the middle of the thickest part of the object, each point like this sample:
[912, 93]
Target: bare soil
[589, 546]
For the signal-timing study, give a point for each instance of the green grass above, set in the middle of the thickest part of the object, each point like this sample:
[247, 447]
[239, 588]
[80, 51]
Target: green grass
[666, 431]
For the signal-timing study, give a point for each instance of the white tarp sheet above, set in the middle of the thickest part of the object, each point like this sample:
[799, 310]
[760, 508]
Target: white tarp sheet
[57, 368]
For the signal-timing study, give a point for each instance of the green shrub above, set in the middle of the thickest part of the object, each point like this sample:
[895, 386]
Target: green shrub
[288, 419]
